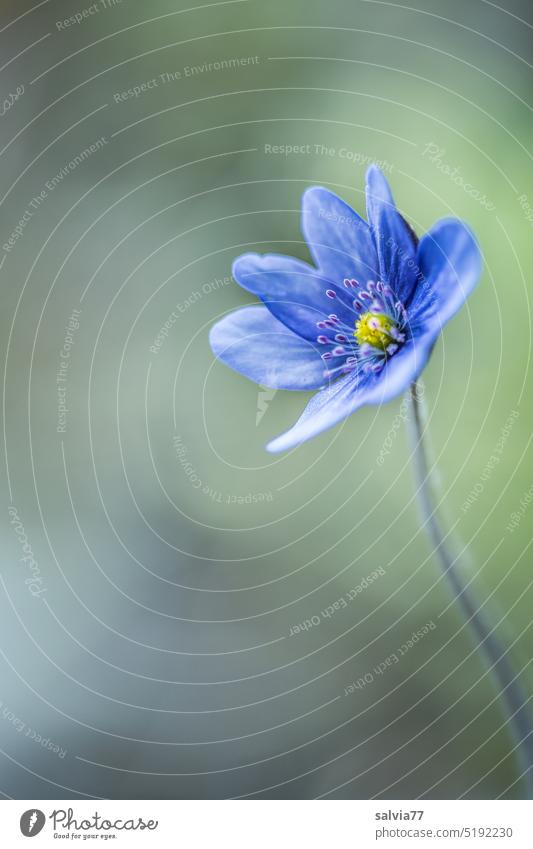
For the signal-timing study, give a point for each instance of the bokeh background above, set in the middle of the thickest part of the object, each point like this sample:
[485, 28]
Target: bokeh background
[145, 641]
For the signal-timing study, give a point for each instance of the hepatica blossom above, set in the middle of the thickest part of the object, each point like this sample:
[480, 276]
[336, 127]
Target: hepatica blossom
[359, 324]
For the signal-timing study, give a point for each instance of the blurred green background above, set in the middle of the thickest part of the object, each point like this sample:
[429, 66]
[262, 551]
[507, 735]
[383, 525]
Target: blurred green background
[148, 635]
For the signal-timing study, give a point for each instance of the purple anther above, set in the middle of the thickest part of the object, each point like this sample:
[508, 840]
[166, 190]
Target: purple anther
[399, 307]
[330, 293]
[396, 335]
[322, 340]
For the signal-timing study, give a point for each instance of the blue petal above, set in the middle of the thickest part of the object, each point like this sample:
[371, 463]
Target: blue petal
[339, 240]
[402, 369]
[293, 291]
[254, 343]
[325, 409]
[450, 263]
[395, 241]
[337, 401]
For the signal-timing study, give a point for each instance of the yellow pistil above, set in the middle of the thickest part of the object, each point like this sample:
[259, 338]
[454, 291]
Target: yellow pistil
[375, 329]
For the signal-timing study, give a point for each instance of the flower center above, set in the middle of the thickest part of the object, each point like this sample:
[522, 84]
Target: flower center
[376, 329]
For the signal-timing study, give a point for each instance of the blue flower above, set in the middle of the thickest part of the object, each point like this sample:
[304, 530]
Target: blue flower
[361, 323]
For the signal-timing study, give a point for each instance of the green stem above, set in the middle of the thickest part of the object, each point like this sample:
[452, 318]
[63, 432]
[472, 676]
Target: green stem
[513, 698]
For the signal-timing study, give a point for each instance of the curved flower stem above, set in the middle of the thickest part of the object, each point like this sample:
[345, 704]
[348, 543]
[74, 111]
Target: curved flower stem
[513, 698]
